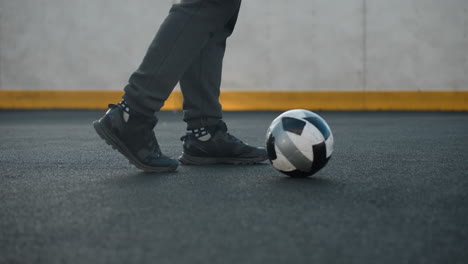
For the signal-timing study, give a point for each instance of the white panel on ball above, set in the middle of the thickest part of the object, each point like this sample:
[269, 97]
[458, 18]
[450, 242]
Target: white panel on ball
[312, 135]
[329, 145]
[302, 145]
[281, 162]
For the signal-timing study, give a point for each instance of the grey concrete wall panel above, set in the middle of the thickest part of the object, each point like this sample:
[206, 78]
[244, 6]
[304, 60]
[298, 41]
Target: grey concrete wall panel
[298, 45]
[417, 45]
[277, 45]
[86, 44]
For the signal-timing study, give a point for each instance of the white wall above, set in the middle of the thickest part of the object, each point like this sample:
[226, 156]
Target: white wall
[277, 45]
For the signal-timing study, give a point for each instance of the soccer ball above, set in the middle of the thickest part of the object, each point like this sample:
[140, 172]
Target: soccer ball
[299, 143]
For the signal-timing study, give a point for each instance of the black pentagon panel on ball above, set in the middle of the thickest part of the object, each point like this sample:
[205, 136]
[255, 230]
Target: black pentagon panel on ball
[270, 146]
[293, 125]
[320, 157]
[320, 125]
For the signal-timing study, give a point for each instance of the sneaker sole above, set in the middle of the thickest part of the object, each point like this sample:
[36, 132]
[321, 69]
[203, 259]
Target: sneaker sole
[193, 160]
[118, 145]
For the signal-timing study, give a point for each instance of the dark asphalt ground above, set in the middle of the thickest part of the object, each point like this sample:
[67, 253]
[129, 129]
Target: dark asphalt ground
[395, 191]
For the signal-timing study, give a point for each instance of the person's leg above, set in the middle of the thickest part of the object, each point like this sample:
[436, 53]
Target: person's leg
[207, 140]
[201, 83]
[128, 126]
[181, 37]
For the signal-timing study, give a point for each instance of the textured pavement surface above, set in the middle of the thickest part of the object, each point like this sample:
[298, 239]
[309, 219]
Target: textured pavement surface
[395, 191]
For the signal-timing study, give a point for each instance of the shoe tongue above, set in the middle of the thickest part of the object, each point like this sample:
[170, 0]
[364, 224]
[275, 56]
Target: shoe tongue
[221, 126]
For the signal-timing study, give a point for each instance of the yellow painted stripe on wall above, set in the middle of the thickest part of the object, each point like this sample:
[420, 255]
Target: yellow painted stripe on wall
[253, 100]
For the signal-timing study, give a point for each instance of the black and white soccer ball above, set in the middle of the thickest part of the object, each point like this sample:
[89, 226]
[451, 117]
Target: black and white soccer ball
[299, 143]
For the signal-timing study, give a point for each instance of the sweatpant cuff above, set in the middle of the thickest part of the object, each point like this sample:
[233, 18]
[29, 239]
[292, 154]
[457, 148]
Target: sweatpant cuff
[134, 106]
[202, 122]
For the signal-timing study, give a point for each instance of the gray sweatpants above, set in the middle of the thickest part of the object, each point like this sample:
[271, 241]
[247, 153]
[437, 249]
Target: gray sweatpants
[188, 48]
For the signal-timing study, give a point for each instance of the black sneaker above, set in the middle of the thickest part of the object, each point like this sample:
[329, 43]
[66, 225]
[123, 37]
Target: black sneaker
[221, 147]
[133, 136]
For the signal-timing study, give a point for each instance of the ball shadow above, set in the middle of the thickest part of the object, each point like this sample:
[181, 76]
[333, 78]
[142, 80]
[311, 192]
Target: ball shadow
[316, 184]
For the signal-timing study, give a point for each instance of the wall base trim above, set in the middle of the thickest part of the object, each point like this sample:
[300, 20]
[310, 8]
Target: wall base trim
[253, 100]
